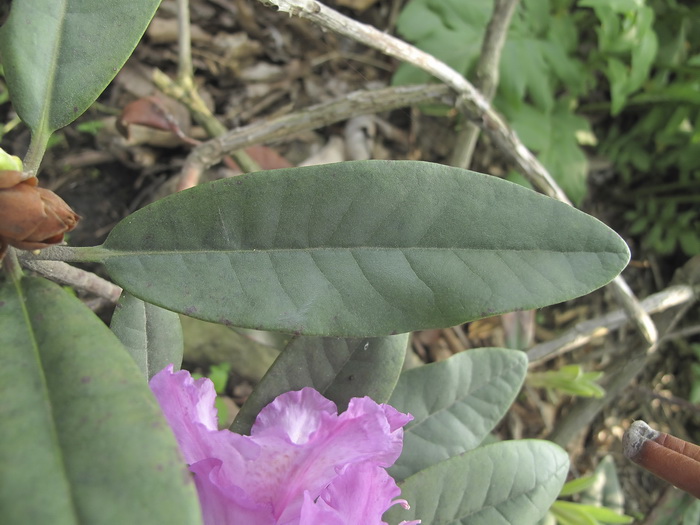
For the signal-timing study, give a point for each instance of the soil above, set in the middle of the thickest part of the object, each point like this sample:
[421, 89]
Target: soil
[253, 63]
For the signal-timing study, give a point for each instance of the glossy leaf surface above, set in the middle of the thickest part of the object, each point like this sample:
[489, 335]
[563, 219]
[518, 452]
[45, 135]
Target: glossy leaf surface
[506, 483]
[82, 440]
[59, 55]
[363, 248]
[152, 335]
[340, 369]
[455, 403]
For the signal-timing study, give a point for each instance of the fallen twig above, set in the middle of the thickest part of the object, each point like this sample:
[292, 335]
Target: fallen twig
[356, 103]
[585, 331]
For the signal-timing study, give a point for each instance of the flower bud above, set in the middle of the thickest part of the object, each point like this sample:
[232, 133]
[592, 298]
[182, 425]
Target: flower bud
[31, 217]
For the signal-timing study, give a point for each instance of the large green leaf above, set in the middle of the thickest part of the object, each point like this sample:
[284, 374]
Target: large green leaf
[58, 55]
[364, 248]
[455, 404]
[82, 440]
[507, 483]
[152, 335]
[338, 368]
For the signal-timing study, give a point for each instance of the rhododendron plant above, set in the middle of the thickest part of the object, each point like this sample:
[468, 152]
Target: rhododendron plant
[302, 464]
[335, 264]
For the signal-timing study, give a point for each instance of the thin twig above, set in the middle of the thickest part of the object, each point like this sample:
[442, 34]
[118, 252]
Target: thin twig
[487, 73]
[64, 273]
[585, 331]
[356, 103]
[471, 102]
[185, 91]
[185, 72]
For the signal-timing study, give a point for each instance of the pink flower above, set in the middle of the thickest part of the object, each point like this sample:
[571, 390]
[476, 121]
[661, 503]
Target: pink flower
[303, 464]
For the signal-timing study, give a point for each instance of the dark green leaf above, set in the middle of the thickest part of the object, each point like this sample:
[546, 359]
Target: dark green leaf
[340, 369]
[455, 404]
[152, 335]
[363, 248]
[59, 55]
[82, 439]
[507, 483]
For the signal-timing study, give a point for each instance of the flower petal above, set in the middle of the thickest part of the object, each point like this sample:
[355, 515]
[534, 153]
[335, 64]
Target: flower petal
[360, 494]
[188, 406]
[299, 450]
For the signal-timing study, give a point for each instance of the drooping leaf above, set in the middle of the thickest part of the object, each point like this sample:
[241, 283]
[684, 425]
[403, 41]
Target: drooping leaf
[82, 440]
[59, 55]
[152, 335]
[364, 248]
[455, 403]
[506, 483]
[338, 368]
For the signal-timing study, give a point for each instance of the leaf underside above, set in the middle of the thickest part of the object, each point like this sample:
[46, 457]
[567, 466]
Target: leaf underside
[506, 483]
[365, 248]
[455, 404]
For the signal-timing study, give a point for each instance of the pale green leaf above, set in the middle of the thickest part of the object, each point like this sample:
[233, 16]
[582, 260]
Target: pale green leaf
[365, 248]
[507, 483]
[455, 404]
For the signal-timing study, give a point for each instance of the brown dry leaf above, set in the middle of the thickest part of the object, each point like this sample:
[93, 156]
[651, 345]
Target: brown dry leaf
[151, 112]
[267, 158]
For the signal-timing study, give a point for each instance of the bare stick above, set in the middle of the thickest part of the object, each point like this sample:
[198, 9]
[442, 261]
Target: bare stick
[356, 103]
[185, 73]
[486, 76]
[64, 273]
[185, 91]
[585, 331]
[470, 102]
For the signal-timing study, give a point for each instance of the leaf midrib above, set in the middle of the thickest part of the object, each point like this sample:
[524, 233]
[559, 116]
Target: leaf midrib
[109, 253]
[49, 402]
[43, 126]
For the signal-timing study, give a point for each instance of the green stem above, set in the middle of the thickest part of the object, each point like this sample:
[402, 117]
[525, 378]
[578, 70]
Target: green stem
[69, 254]
[185, 72]
[37, 148]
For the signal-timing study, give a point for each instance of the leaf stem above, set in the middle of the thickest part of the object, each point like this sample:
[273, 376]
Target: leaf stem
[35, 153]
[185, 72]
[68, 254]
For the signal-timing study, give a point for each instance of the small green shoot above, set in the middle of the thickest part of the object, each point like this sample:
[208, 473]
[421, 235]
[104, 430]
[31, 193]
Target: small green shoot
[570, 379]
